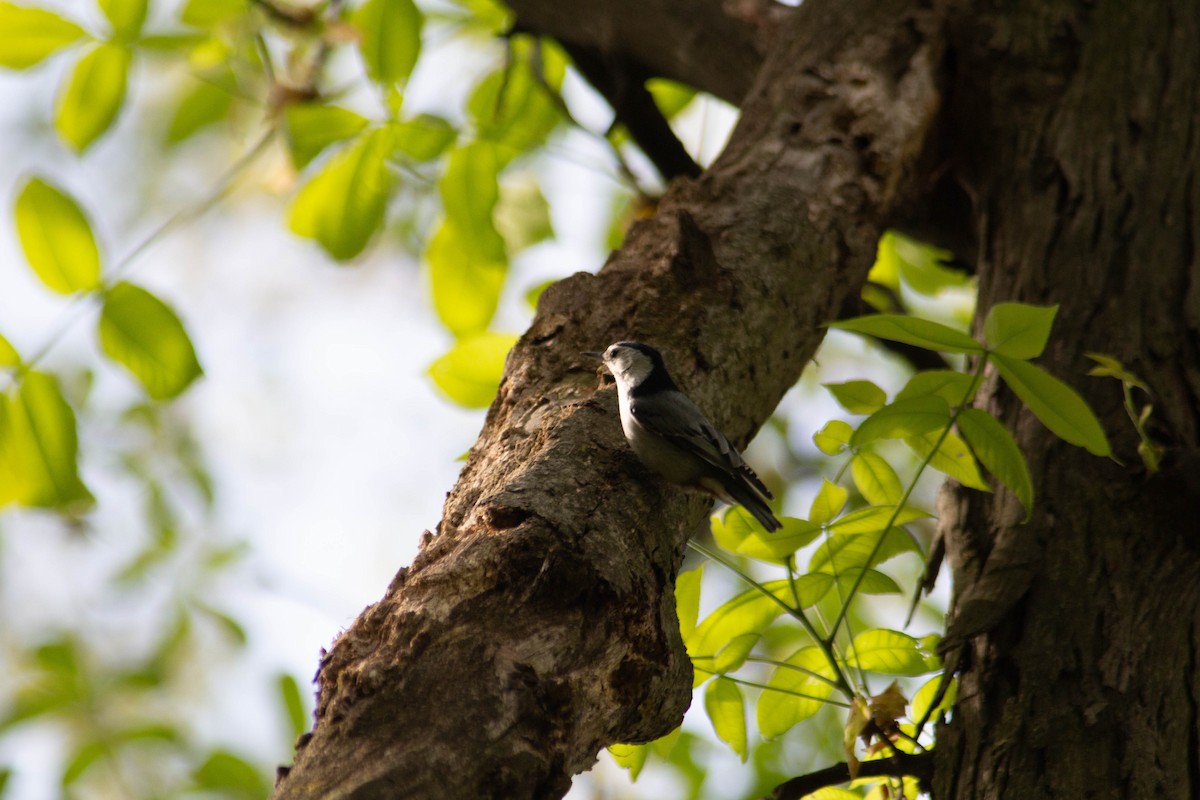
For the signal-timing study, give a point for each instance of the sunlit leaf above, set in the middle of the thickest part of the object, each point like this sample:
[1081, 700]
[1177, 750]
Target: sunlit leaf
[1018, 330]
[903, 418]
[83, 757]
[9, 357]
[1057, 405]
[746, 615]
[57, 238]
[798, 693]
[844, 552]
[910, 330]
[511, 106]
[142, 333]
[874, 518]
[93, 95]
[921, 265]
[920, 706]
[828, 503]
[424, 137]
[293, 704]
[227, 624]
[29, 35]
[956, 388]
[889, 652]
[470, 373]
[630, 756]
[390, 38]
[834, 437]
[998, 451]
[343, 203]
[311, 127]
[125, 16]
[687, 599]
[727, 710]
[207, 103]
[522, 215]
[231, 775]
[738, 532]
[875, 479]
[858, 397]
[38, 447]
[208, 13]
[952, 457]
[466, 282]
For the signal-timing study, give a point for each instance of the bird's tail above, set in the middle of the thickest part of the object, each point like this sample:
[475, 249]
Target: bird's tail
[751, 494]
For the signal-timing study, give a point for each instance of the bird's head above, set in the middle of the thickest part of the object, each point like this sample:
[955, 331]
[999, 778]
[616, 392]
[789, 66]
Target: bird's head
[632, 363]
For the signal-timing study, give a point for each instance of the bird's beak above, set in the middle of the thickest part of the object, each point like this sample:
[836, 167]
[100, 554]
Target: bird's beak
[595, 355]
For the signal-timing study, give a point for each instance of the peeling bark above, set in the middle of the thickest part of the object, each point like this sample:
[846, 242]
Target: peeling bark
[538, 625]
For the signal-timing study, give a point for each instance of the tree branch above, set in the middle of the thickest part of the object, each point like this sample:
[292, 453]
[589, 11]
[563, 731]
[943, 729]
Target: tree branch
[898, 765]
[539, 625]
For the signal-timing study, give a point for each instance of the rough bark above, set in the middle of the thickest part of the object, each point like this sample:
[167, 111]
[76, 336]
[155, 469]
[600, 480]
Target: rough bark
[1079, 138]
[539, 625]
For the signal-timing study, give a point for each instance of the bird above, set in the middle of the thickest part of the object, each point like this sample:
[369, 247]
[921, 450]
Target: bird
[672, 437]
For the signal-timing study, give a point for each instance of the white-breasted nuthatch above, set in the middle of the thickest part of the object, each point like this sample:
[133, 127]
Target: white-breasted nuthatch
[673, 437]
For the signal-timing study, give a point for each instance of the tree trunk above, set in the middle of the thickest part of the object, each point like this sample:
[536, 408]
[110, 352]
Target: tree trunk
[1078, 138]
[539, 625]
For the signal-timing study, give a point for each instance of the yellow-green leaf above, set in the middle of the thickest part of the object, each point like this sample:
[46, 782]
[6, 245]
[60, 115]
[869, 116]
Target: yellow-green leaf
[310, 127]
[125, 16]
[875, 479]
[1057, 405]
[922, 265]
[742, 617]
[834, 437]
[873, 518]
[890, 653]
[511, 106]
[466, 282]
[998, 451]
[630, 756]
[952, 457]
[687, 599]
[30, 35]
[828, 503]
[93, 95]
[522, 215]
[858, 397]
[390, 38]
[424, 137]
[739, 532]
[470, 373]
[143, 334]
[342, 205]
[207, 13]
[57, 238]
[955, 388]
[910, 330]
[206, 103]
[794, 692]
[9, 357]
[1018, 330]
[38, 447]
[727, 710]
[903, 418]
[849, 552]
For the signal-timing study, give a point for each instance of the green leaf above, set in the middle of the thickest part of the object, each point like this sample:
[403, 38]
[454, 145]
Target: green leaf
[910, 330]
[727, 710]
[889, 652]
[143, 334]
[847, 553]
[919, 707]
[293, 704]
[230, 775]
[93, 95]
[390, 39]
[687, 599]
[343, 203]
[858, 397]
[738, 532]
[793, 695]
[1058, 406]
[209, 13]
[470, 373]
[38, 447]
[511, 106]
[873, 518]
[466, 283]
[921, 265]
[84, 756]
[630, 756]
[998, 451]
[1017, 330]
[903, 418]
[206, 104]
[228, 625]
[57, 238]
[30, 35]
[310, 127]
[875, 479]
[522, 215]
[1109, 367]
[470, 190]
[424, 137]
[956, 388]
[9, 357]
[952, 457]
[834, 437]
[828, 503]
[125, 16]
[743, 617]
